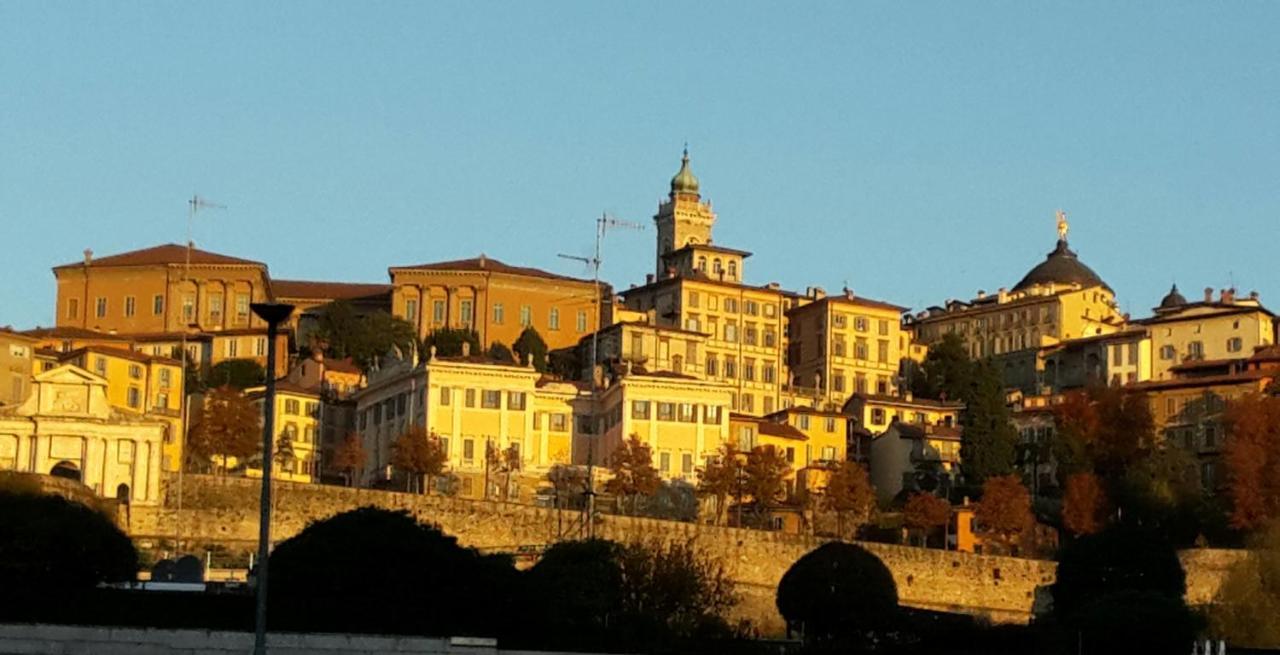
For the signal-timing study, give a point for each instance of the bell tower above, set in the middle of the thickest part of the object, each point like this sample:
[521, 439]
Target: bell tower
[684, 218]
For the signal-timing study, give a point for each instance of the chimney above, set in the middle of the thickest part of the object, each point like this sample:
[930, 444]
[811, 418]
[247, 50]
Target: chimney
[1208, 294]
[1229, 295]
[483, 260]
[982, 294]
[1253, 295]
[1003, 295]
[848, 293]
[88, 256]
[466, 348]
[649, 278]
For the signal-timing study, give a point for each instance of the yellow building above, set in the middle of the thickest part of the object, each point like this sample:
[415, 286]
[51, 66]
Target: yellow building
[875, 412]
[296, 430]
[751, 432]
[151, 290]
[498, 301]
[910, 457]
[17, 361]
[1226, 328]
[840, 345]
[1057, 300]
[647, 348]
[67, 427]
[826, 434]
[472, 406]
[1118, 358]
[140, 385]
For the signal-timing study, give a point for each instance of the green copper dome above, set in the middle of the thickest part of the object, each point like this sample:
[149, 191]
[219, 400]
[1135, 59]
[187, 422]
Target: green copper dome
[684, 181]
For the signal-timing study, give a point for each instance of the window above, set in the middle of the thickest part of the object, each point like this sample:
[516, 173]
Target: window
[515, 400]
[165, 377]
[73, 308]
[877, 416]
[1117, 354]
[582, 320]
[730, 331]
[526, 316]
[748, 403]
[130, 305]
[465, 309]
[829, 424]
[499, 315]
[233, 347]
[411, 310]
[749, 369]
[640, 409]
[188, 309]
[471, 398]
[733, 270]
[1234, 344]
[1167, 352]
[437, 311]
[260, 346]
[308, 434]
[559, 422]
[882, 351]
[666, 411]
[731, 305]
[750, 308]
[829, 453]
[730, 367]
[664, 462]
[712, 414]
[711, 365]
[804, 421]
[444, 395]
[837, 380]
[100, 366]
[688, 413]
[860, 323]
[860, 348]
[770, 337]
[837, 347]
[747, 438]
[291, 407]
[135, 397]
[215, 307]
[693, 299]
[162, 401]
[242, 308]
[491, 399]
[686, 463]
[553, 319]
[100, 307]
[768, 373]
[135, 371]
[468, 449]
[702, 264]
[883, 327]
[1195, 350]
[749, 334]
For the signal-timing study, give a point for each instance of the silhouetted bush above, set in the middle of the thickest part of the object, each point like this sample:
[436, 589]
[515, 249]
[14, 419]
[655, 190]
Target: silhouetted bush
[50, 544]
[375, 570]
[840, 596]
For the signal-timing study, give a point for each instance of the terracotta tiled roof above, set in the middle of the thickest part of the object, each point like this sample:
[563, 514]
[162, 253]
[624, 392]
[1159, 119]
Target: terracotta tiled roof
[282, 386]
[855, 300]
[1201, 364]
[903, 402]
[71, 332]
[169, 253]
[122, 353]
[707, 279]
[1266, 354]
[770, 428]
[490, 265]
[313, 290]
[8, 330]
[1243, 377]
[342, 366]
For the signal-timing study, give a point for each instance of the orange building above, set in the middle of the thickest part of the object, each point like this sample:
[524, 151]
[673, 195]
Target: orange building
[498, 301]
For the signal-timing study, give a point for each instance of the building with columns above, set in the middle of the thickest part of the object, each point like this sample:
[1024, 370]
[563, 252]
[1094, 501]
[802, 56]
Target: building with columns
[498, 301]
[68, 427]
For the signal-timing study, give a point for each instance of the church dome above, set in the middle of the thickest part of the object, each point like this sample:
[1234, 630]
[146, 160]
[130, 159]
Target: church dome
[1173, 299]
[684, 182]
[1061, 267]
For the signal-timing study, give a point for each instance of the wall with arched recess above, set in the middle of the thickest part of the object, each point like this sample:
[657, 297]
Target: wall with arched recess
[224, 512]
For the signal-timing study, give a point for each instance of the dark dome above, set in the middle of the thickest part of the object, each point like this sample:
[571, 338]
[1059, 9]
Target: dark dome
[1173, 299]
[1063, 268]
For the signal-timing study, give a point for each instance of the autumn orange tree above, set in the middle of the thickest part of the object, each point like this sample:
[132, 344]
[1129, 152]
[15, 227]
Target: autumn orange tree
[1103, 429]
[349, 457]
[418, 454]
[850, 495]
[927, 513]
[719, 478]
[1084, 504]
[1252, 458]
[762, 479]
[633, 472]
[1004, 513]
[228, 425]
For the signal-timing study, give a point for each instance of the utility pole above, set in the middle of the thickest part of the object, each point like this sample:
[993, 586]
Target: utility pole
[195, 204]
[602, 225]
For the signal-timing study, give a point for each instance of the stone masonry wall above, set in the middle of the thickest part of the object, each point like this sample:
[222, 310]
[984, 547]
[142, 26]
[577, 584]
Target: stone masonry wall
[1003, 589]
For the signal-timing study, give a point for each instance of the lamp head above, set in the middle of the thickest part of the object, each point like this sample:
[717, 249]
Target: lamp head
[271, 312]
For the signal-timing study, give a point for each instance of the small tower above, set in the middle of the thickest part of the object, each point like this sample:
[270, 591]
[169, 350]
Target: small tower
[684, 218]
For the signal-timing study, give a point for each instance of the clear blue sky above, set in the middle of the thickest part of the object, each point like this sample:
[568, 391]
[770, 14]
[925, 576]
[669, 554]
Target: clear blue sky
[917, 152]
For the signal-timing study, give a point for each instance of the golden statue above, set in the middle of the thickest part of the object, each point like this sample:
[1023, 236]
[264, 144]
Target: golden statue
[1062, 225]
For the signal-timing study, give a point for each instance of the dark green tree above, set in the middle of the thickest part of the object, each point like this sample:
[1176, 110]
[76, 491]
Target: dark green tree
[363, 338]
[238, 373]
[499, 352]
[839, 597]
[989, 446]
[49, 544]
[531, 347]
[947, 371]
[448, 342]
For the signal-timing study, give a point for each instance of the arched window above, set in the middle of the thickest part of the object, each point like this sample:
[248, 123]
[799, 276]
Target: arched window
[717, 267]
[702, 264]
[733, 270]
[677, 364]
[122, 493]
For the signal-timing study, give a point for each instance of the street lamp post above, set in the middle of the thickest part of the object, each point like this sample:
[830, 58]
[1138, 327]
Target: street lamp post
[274, 314]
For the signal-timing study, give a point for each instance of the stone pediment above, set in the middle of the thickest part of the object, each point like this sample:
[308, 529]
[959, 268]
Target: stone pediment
[67, 391]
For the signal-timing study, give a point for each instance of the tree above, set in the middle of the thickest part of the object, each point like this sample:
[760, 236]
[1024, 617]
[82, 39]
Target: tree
[926, 512]
[1121, 590]
[1251, 455]
[1084, 504]
[350, 456]
[569, 484]
[228, 425]
[1005, 510]
[1104, 430]
[1246, 607]
[284, 454]
[850, 495]
[720, 477]
[674, 500]
[989, 445]
[238, 373]
[947, 371]
[633, 471]
[363, 338]
[50, 545]
[529, 346]
[381, 571]
[499, 352]
[448, 342]
[762, 478]
[419, 454]
[839, 596]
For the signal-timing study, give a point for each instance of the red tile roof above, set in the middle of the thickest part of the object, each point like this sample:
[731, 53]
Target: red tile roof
[122, 353]
[490, 265]
[71, 332]
[314, 290]
[169, 253]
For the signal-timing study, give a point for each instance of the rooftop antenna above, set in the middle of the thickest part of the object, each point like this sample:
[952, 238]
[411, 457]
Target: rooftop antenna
[602, 226]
